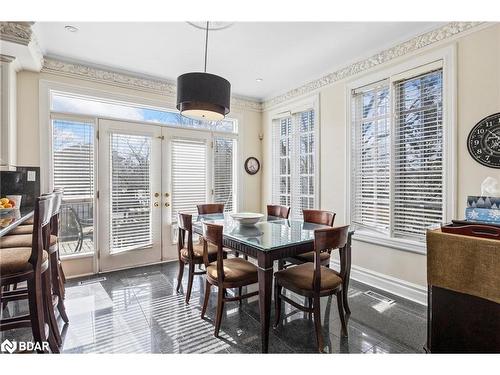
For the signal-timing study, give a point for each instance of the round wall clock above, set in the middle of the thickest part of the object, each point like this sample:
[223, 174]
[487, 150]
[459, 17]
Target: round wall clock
[484, 141]
[252, 165]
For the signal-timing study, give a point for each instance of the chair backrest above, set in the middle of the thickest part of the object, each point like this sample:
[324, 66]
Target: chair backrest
[54, 221]
[210, 208]
[319, 217]
[212, 233]
[185, 224]
[325, 240]
[44, 209]
[278, 211]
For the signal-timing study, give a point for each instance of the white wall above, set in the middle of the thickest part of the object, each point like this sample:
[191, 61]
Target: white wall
[478, 81]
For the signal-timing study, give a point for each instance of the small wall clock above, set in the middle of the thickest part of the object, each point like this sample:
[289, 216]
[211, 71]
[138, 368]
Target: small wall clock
[252, 165]
[484, 141]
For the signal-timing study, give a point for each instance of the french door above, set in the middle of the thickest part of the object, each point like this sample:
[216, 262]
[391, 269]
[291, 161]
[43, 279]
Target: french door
[130, 195]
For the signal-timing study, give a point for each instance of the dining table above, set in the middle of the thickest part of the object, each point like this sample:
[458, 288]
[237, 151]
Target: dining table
[14, 217]
[272, 239]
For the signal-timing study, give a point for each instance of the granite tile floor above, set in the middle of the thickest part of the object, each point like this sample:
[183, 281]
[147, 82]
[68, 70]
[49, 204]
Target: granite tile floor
[139, 311]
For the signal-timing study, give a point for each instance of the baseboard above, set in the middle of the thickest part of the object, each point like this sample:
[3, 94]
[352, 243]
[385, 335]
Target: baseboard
[398, 287]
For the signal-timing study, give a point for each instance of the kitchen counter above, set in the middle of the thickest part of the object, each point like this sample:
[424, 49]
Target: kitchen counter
[12, 219]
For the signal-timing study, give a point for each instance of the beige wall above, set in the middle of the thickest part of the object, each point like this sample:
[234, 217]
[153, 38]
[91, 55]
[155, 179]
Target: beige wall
[478, 93]
[28, 128]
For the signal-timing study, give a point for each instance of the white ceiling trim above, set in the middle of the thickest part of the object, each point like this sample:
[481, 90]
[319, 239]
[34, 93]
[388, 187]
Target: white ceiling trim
[131, 81]
[414, 44]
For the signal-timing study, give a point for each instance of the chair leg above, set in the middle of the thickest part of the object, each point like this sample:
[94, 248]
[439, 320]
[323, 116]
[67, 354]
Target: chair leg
[54, 336]
[240, 292]
[344, 300]
[220, 308]
[3, 305]
[245, 256]
[317, 323]
[310, 305]
[190, 282]
[341, 313]
[277, 303]
[57, 287]
[208, 286]
[36, 307]
[179, 275]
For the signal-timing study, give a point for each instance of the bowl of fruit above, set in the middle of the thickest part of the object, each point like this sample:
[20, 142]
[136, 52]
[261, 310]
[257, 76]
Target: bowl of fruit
[7, 205]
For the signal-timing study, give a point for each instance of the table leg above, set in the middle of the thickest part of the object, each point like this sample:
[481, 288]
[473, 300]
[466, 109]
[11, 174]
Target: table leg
[265, 274]
[346, 264]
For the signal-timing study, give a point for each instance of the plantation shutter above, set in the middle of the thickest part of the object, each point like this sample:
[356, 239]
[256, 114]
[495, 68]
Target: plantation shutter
[371, 159]
[73, 158]
[418, 156]
[130, 192]
[224, 149]
[294, 157]
[189, 175]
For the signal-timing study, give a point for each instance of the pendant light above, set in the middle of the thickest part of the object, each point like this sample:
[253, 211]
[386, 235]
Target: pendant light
[203, 96]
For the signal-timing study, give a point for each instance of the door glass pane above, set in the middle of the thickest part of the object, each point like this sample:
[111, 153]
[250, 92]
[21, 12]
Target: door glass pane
[189, 176]
[73, 170]
[130, 192]
[223, 173]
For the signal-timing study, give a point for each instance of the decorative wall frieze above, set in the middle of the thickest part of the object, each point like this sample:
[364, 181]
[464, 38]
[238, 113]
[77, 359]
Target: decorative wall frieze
[16, 32]
[126, 80]
[414, 44]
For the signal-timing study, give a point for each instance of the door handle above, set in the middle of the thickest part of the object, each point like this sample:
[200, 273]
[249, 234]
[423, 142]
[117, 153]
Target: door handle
[156, 204]
[167, 204]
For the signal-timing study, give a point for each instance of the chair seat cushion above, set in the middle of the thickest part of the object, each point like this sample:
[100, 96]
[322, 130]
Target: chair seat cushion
[22, 229]
[300, 278]
[198, 251]
[21, 240]
[235, 270]
[29, 221]
[16, 260]
[309, 257]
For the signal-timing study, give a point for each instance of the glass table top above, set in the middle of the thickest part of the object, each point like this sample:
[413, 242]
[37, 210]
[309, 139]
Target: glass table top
[270, 233]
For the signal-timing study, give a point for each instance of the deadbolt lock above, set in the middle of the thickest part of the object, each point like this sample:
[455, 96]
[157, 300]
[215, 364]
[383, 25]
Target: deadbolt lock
[167, 195]
[157, 195]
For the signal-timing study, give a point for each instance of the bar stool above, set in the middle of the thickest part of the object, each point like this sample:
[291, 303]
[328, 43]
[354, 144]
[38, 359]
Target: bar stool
[31, 265]
[57, 275]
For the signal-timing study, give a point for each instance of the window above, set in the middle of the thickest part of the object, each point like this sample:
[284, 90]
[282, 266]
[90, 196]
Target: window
[397, 175]
[99, 107]
[224, 181]
[73, 170]
[294, 173]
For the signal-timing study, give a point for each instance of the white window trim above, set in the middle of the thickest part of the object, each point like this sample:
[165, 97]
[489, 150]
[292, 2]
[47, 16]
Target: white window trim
[447, 56]
[45, 88]
[311, 102]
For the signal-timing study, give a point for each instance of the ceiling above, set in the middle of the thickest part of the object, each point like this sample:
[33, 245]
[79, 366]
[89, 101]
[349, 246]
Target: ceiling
[284, 54]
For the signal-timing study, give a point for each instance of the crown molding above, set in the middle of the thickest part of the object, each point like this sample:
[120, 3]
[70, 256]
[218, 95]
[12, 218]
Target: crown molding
[445, 32]
[16, 32]
[127, 80]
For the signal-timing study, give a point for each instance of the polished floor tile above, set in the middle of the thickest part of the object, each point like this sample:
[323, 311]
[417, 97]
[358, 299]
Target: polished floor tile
[139, 311]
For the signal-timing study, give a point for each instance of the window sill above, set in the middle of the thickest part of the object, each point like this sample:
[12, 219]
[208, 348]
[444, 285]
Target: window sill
[394, 243]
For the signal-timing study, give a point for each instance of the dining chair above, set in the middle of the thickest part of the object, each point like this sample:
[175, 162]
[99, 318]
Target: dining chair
[224, 273]
[58, 278]
[190, 253]
[210, 208]
[315, 217]
[31, 264]
[278, 211]
[312, 280]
